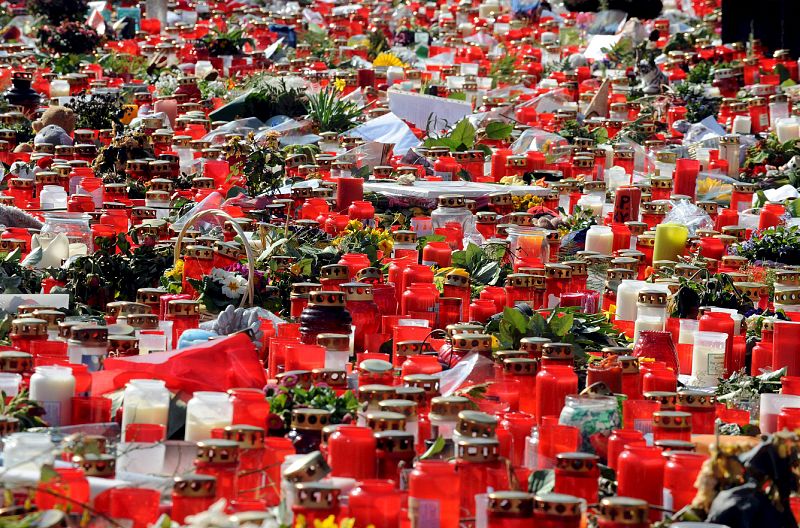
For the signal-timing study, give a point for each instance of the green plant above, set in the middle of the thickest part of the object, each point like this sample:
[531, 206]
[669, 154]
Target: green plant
[485, 264]
[331, 113]
[770, 151]
[573, 130]
[740, 387]
[464, 136]
[98, 111]
[262, 166]
[775, 244]
[284, 399]
[272, 99]
[55, 11]
[698, 104]
[22, 408]
[705, 289]
[503, 69]
[585, 331]
[221, 43]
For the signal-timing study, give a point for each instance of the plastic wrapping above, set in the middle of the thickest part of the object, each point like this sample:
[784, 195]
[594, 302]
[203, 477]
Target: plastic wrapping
[686, 213]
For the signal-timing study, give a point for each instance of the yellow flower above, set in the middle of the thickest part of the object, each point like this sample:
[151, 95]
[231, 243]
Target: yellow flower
[175, 272]
[386, 246]
[339, 84]
[354, 225]
[388, 59]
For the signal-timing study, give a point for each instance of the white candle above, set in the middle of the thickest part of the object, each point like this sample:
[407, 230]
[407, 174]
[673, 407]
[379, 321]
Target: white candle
[627, 294]
[741, 124]
[207, 411]
[53, 386]
[145, 401]
[787, 129]
[600, 239]
[616, 177]
[708, 358]
[59, 88]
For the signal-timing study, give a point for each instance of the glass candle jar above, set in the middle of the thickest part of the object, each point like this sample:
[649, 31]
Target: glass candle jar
[316, 501]
[207, 411]
[479, 468]
[553, 384]
[145, 401]
[184, 315]
[702, 407]
[443, 415]
[640, 474]
[509, 509]
[680, 473]
[617, 441]
[578, 474]
[672, 425]
[394, 451]
[28, 451]
[351, 452]
[53, 388]
[325, 313]
[191, 494]
[433, 495]
[376, 502]
[591, 415]
[219, 459]
[88, 344]
[555, 510]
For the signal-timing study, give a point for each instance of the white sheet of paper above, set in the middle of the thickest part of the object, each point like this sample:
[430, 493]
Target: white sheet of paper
[11, 301]
[417, 108]
[594, 50]
[388, 128]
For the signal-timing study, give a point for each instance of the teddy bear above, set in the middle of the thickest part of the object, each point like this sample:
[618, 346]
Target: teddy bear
[55, 126]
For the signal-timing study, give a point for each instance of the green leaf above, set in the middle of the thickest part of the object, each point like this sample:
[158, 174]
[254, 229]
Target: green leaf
[458, 96]
[473, 254]
[515, 318]
[47, 473]
[463, 134]
[235, 191]
[600, 135]
[442, 142]
[435, 449]
[787, 83]
[506, 335]
[537, 326]
[793, 207]
[498, 130]
[561, 323]
[781, 70]
[542, 481]
[362, 172]
[486, 149]
[422, 52]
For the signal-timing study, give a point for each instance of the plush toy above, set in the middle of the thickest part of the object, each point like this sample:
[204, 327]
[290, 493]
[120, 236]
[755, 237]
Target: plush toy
[55, 126]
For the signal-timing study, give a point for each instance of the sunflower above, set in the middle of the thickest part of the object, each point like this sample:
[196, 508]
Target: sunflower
[388, 59]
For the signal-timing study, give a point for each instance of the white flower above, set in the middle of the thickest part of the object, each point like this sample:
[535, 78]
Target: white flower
[233, 285]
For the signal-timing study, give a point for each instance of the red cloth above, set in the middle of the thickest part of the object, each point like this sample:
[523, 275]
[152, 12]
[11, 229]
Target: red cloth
[219, 365]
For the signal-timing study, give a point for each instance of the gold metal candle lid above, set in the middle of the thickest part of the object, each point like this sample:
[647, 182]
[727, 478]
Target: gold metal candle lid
[790, 296]
[411, 348]
[576, 462]
[623, 510]
[29, 327]
[123, 345]
[651, 297]
[405, 407]
[697, 399]
[667, 399]
[334, 272]
[96, 465]
[625, 263]
[386, 421]
[673, 420]
[448, 406]
[686, 270]
[334, 341]
[753, 290]
[375, 393]
[521, 366]
[533, 345]
[413, 394]
[405, 237]
[357, 291]
[451, 200]
[579, 268]
[476, 424]
[470, 342]
[195, 485]
[118, 308]
[629, 364]
[217, 451]
[428, 383]
[317, 495]
[557, 271]
[53, 317]
[560, 351]
[619, 274]
[557, 505]
[247, 436]
[311, 467]
[310, 419]
[477, 449]
[395, 441]
[675, 445]
[516, 504]
[785, 277]
[326, 298]
[519, 280]
[183, 307]
[369, 275]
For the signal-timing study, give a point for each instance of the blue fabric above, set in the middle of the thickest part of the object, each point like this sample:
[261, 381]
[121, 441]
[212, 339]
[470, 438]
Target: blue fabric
[287, 32]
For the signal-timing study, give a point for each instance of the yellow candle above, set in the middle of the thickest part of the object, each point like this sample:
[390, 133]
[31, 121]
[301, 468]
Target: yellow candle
[670, 241]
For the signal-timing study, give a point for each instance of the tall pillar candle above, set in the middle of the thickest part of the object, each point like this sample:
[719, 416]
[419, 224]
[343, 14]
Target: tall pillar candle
[686, 171]
[670, 242]
[348, 190]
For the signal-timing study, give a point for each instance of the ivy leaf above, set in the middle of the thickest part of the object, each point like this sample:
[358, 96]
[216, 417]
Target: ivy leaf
[561, 323]
[463, 134]
[515, 318]
[542, 481]
[506, 336]
[458, 96]
[600, 135]
[47, 473]
[498, 130]
[362, 172]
